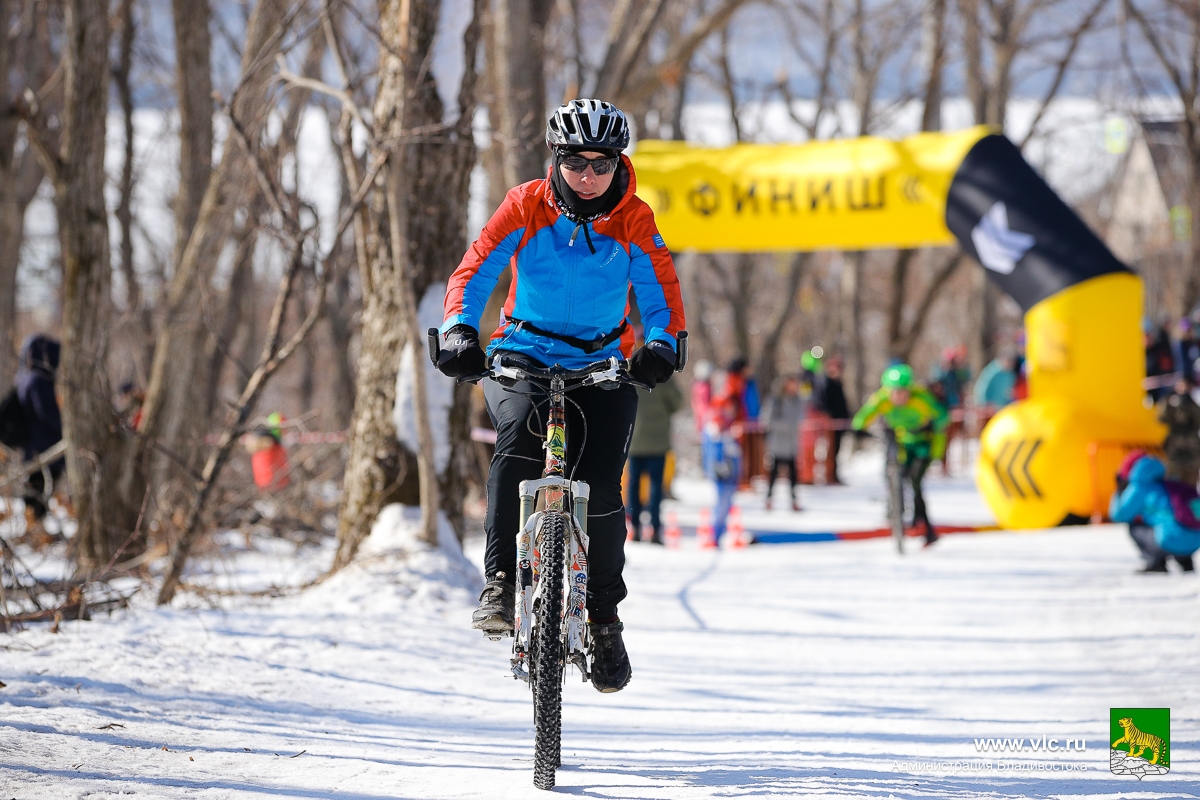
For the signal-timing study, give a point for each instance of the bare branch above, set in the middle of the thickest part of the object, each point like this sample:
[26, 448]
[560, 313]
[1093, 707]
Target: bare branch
[314, 85]
[1061, 68]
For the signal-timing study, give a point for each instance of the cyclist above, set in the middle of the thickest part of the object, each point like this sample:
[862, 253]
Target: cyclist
[577, 240]
[918, 423]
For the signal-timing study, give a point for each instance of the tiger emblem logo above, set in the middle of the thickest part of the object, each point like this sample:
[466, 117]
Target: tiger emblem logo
[1140, 741]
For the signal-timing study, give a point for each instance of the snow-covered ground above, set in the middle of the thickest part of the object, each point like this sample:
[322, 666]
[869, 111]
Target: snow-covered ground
[825, 670]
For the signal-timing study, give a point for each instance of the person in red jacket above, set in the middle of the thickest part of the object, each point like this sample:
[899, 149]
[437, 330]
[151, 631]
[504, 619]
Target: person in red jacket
[578, 241]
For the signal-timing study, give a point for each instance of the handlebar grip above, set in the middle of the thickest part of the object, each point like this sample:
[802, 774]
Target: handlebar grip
[681, 354]
[435, 346]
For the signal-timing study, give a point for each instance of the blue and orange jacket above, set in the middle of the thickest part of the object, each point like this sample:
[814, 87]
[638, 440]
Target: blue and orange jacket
[564, 287]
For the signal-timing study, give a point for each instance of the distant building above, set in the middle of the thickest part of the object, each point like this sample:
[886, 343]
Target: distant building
[1149, 220]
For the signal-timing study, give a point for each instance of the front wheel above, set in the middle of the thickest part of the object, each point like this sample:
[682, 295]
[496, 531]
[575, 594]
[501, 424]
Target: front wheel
[546, 668]
[895, 481]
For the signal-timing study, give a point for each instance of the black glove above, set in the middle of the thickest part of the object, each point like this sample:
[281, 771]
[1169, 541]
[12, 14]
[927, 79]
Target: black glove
[653, 363]
[460, 353]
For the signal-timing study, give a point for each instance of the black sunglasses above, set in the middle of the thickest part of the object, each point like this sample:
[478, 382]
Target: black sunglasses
[601, 166]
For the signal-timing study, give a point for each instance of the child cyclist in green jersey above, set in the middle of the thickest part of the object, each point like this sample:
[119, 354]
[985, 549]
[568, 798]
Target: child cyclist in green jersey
[918, 424]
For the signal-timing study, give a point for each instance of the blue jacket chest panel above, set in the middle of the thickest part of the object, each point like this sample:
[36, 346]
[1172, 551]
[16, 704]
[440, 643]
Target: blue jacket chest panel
[566, 287]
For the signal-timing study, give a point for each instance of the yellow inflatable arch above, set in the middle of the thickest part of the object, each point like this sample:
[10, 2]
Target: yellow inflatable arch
[1046, 460]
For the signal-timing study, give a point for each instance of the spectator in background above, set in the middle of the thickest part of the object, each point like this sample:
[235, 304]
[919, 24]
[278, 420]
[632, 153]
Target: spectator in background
[1160, 360]
[1020, 379]
[722, 459]
[829, 400]
[702, 393]
[38, 367]
[130, 400]
[948, 382]
[785, 411]
[1179, 412]
[952, 374]
[816, 421]
[742, 389]
[268, 458]
[1161, 515]
[1187, 349]
[994, 387]
[648, 449]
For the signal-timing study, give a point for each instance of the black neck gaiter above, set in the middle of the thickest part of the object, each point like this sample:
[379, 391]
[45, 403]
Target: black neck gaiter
[575, 208]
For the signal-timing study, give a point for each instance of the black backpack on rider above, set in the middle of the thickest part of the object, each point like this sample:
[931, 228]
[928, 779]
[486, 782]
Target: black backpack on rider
[14, 428]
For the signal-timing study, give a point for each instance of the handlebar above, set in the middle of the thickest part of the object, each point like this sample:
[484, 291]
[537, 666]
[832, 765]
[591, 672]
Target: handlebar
[612, 370]
[508, 370]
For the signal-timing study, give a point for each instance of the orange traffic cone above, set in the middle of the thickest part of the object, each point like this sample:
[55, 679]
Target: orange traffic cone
[704, 531]
[737, 533]
[672, 533]
[628, 530]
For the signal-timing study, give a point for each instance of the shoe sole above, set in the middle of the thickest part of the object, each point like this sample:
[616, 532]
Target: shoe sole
[495, 628]
[616, 689]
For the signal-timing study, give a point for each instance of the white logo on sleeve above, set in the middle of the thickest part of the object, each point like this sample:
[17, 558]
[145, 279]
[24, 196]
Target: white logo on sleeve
[999, 247]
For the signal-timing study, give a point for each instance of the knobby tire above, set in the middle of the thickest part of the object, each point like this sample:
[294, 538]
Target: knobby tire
[547, 662]
[895, 474]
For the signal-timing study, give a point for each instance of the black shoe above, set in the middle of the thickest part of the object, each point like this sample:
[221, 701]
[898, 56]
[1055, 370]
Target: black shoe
[1157, 566]
[656, 538]
[497, 608]
[1185, 563]
[610, 663]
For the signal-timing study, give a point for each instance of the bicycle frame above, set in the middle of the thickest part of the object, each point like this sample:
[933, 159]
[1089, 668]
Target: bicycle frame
[558, 494]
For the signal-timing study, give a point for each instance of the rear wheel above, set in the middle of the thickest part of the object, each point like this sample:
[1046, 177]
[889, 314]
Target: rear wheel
[547, 660]
[895, 480]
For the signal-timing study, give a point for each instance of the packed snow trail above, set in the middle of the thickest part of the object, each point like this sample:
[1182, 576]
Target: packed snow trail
[816, 670]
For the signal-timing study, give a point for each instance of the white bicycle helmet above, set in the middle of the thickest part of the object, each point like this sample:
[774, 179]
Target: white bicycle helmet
[588, 125]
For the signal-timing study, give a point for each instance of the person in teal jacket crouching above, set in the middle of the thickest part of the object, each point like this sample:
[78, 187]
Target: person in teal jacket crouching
[1147, 498]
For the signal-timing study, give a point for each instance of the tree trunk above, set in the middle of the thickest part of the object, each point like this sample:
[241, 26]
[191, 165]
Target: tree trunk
[193, 82]
[178, 379]
[767, 365]
[519, 28]
[137, 321]
[973, 58]
[378, 464]
[984, 297]
[424, 205]
[239, 304]
[895, 331]
[933, 56]
[19, 182]
[106, 487]
[851, 324]
[20, 177]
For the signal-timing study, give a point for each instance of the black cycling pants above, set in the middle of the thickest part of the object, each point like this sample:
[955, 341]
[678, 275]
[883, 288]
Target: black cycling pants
[597, 457]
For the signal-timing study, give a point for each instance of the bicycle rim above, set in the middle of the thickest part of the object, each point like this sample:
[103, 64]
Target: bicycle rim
[547, 662]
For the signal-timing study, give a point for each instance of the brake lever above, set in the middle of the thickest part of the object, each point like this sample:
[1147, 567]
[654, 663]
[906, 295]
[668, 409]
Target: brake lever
[626, 378]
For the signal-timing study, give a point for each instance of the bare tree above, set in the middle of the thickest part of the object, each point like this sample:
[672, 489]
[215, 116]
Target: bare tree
[518, 31]
[178, 384]
[193, 69]
[409, 235]
[25, 60]
[1171, 28]
[105, 483]
[996, 34]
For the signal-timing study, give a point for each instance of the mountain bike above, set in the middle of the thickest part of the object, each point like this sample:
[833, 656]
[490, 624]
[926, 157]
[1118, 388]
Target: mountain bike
[550, 632]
